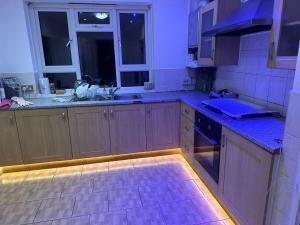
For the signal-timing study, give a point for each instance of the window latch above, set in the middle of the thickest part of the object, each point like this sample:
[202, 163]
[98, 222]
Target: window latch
[69, 43]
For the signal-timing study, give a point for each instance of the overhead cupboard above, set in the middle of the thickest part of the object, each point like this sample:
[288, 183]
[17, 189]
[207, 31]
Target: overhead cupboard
[285, 34]
[213, 51]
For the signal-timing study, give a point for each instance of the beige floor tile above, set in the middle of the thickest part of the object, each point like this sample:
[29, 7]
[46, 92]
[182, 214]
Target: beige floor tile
[145, 216]
[97, 192]
[119, 165]
[115, 218]
[8, 178]
[43, 223]
[94, 170]
[67, 172]
[109, 181]
[21, 195]
[143, 162]
[20, 213]
[77, 186]
[83, 220]
[124, 199]
[228, 222]
[57, 208]
[181, 213]
[152, 195]
[91, 204]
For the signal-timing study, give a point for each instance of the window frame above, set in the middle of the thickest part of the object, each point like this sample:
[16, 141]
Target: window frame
[75, 27]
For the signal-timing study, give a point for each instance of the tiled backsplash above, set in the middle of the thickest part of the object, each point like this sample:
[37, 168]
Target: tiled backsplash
[252, 78]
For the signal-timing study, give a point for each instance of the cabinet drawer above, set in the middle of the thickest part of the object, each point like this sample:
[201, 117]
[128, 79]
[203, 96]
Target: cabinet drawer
[188, 111]
[187, 130]
[187, 147]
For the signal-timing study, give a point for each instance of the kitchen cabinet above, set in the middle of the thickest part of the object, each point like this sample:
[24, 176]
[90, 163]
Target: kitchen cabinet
[162, 125]
[285, 34]
[10, 152]
[89, 129]
[222, 50]
[187, 137]
[127, 128]
[44, 135]
[245, 174]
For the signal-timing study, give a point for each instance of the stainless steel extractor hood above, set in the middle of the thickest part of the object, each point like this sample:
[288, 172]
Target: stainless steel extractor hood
[251, 16]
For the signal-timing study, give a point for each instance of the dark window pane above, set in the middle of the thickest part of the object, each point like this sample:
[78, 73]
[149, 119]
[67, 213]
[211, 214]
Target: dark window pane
[62, 80]
[290, 29]
[206, 41]
[94, 18]
[97, 56]
[133, 38]
[55, 38]
[131, 79]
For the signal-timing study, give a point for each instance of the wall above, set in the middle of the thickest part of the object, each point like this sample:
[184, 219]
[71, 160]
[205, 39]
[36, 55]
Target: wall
[287, 201]
[170, 26]
[252, 79]
[15, 55]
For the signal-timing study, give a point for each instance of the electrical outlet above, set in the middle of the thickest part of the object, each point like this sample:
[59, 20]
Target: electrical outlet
[27, 88]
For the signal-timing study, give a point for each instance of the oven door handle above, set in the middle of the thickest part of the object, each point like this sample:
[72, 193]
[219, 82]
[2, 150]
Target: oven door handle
[210, 140]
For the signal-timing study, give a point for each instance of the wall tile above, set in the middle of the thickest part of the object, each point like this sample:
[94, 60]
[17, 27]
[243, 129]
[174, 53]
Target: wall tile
[277, 90]
[262, 87]
[249, 85]
[293, 122]
[267, 86]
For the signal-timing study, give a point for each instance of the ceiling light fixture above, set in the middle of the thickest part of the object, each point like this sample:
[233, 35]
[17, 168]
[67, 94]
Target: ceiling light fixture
[101, 15]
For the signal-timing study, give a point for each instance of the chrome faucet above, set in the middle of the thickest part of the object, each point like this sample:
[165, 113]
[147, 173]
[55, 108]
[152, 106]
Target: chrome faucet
[111, 90]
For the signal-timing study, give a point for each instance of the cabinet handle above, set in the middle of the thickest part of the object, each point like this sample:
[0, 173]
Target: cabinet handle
[11, 119]
[111, 113]
[105, 114]
[223, 140]
[63, 115]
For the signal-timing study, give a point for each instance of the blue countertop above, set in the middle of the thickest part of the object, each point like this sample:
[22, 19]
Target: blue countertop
[265, 132]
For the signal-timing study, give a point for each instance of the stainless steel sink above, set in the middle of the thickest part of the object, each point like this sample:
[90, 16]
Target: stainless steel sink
[128, 97]
[108, 98]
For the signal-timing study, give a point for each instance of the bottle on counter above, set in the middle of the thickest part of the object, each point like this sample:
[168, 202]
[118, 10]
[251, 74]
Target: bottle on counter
[2, 92]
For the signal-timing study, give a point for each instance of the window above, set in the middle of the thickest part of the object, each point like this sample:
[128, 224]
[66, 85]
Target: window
[55, 39]
[132, 29]
[97, 56]
[93, 18]
[109, 44]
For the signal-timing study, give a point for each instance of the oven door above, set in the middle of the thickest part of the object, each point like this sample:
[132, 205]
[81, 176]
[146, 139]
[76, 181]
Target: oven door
[207, 153]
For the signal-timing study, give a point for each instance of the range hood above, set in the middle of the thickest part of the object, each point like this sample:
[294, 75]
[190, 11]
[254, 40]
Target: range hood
[252, 16]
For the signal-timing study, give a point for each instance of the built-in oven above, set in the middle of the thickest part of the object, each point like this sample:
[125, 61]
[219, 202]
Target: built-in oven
[207, 144]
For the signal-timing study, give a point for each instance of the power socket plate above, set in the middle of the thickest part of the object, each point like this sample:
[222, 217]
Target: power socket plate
[27, 88]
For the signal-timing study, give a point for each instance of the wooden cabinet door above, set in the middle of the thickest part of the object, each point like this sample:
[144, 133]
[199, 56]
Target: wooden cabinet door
[89, 129]
[244, 178]
[285, 34]
[127, 128]
[10, 153]
[208, 18]
[162, 125]
[44, 135]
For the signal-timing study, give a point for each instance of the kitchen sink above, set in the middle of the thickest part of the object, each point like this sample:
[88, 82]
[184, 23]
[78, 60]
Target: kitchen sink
[108, 98]
[128, 97]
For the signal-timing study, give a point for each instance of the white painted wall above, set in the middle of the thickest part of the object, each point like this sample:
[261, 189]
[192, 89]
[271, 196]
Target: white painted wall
[15, 54]
[170, 24]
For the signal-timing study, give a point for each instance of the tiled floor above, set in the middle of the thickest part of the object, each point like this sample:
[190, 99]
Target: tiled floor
[152, 191]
